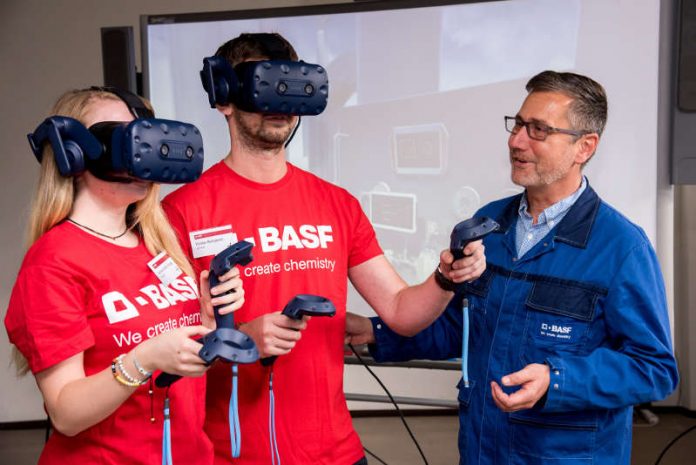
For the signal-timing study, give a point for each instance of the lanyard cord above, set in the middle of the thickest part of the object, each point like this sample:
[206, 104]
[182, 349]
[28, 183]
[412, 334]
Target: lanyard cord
[465, 343]
[235, 432]
[271, 421]
[166, 433]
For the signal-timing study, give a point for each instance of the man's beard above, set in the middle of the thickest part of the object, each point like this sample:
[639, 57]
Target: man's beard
[261, 137]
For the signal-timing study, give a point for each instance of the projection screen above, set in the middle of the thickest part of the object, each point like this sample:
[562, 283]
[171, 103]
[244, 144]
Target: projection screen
[414, 126]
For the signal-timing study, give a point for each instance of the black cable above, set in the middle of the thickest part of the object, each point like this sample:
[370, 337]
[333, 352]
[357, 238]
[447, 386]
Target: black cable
[672, 442]
[297, 126]
[369, 452]
[403, 420]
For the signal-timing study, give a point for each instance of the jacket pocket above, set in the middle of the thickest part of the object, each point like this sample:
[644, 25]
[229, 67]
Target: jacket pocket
[559, 317]
[564, 299]
[549, 438]
[464, 393]
[464, 397]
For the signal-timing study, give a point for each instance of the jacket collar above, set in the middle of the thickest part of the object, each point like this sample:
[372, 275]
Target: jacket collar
[574, 229]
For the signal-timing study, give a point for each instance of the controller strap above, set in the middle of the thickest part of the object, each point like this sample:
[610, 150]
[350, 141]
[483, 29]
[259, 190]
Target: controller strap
[166, 434]
[235, 431]
[465, 343]
[275, 456]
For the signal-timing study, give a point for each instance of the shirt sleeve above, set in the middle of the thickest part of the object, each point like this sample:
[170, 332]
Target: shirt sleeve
[636, 365]
[46, 318]
[364, 244]
[441, 340]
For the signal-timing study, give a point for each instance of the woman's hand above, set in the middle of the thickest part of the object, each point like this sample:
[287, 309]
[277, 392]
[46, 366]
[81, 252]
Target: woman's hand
[174, 352]
[65, 387]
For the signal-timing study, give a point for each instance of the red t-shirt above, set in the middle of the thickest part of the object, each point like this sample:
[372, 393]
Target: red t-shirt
[307, 234]
[77, 293]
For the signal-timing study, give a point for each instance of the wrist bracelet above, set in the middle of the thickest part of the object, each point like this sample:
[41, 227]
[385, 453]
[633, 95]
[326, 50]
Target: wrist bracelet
[118, 377]
[444, 283]
[146, 374]
[132, 381]
[122, 369]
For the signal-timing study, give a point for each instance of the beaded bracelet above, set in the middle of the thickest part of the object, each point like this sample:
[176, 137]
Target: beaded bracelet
[146, 374]
[124, 372]
[118, 377]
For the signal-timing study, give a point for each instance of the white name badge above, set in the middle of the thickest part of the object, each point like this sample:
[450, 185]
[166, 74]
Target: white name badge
[164, 268]
[211, 241]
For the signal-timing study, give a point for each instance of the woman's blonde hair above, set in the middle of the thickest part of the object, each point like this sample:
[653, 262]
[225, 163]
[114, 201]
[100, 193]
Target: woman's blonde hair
[55, 194]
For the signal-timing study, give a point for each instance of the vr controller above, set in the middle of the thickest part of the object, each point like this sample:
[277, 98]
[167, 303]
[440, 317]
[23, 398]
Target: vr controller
[301, 305]
[236, 254]
[268, 86]
[225, 343]
[152, 149]
[470, 230]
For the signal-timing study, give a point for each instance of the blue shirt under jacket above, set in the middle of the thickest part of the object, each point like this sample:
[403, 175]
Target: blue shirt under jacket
[589, 301]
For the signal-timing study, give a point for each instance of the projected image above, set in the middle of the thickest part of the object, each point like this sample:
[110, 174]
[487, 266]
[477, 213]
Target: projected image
[467, 201]
[396, 212]
[416, 102]
[420, 149]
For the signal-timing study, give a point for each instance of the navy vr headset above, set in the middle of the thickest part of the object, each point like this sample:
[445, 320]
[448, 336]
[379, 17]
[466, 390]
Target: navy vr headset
[278, 86]
[147, 148]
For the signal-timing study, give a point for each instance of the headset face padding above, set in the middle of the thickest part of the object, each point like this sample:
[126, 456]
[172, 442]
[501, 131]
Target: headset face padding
[71, 142]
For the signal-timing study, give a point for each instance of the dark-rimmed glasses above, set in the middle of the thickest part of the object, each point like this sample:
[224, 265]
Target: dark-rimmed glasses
[536, 130]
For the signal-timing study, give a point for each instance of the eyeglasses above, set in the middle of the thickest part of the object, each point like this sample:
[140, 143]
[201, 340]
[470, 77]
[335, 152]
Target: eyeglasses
[536, 130]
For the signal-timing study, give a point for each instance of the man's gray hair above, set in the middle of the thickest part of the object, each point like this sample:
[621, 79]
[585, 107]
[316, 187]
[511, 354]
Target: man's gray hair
[588, 111]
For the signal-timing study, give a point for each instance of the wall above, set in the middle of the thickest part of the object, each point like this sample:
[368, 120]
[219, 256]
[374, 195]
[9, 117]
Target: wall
[685, 299]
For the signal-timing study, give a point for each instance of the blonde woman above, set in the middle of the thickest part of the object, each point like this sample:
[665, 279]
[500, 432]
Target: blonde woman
[93, 322]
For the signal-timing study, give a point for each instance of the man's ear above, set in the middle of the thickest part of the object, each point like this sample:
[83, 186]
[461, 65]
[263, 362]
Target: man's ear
[226, 110]
[587, 147]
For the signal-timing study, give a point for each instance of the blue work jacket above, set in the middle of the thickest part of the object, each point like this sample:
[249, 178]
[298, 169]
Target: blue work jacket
[589, 301]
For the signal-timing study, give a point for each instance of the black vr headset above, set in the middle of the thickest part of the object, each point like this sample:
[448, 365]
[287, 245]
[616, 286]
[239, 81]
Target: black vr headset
[277, 86]
[147, 148]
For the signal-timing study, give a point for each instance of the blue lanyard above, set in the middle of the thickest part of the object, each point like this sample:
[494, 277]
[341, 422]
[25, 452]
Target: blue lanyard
[271, 422]
[235, 431]
[465, 343]
[166, 435]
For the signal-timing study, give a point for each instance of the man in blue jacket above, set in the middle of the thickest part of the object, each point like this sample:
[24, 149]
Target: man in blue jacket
[568, 327]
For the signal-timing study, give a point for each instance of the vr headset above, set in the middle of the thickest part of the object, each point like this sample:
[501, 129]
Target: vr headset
[277, 85]
[148, 149]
